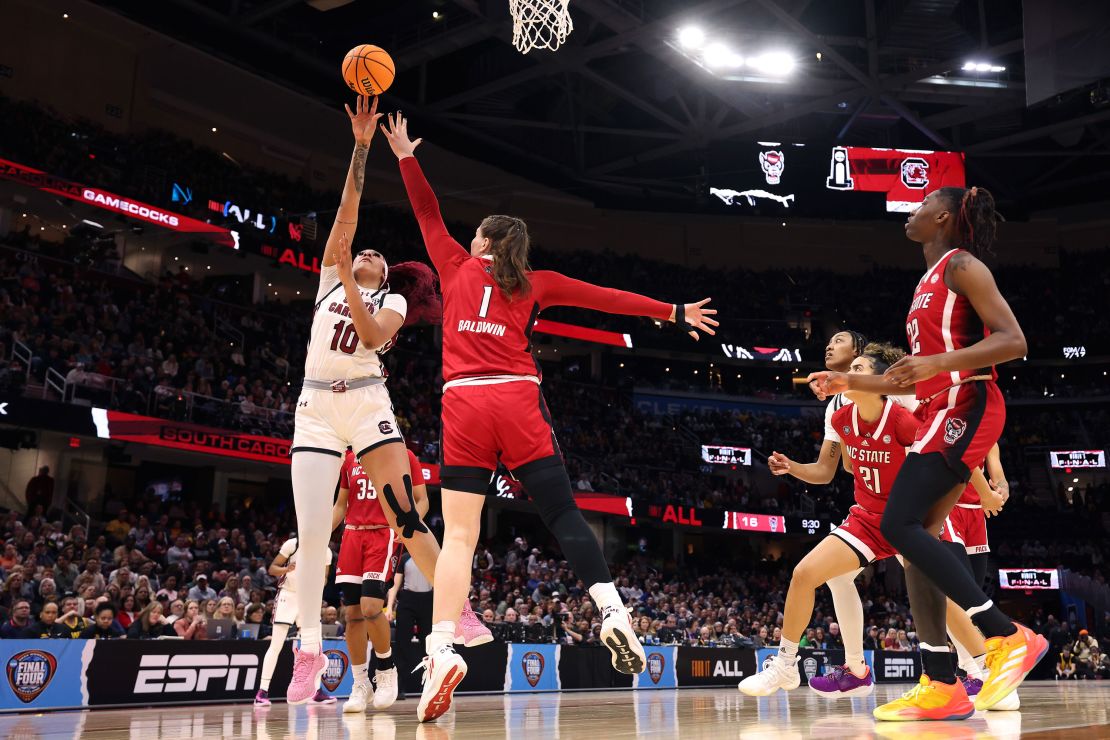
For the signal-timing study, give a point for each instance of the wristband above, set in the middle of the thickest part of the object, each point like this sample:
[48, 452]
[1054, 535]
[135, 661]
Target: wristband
[680, 317]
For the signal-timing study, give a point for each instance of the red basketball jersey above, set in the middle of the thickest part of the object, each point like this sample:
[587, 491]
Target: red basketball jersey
[486, 333]
[969, 496]
[363, 508]
[877, 450]
[940, 321]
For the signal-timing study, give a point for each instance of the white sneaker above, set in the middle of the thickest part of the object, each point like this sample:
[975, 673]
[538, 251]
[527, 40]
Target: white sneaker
[617, 635]
[1009, 703]
[360, 696]
[443, 672]
[387, 688]
[779, 673]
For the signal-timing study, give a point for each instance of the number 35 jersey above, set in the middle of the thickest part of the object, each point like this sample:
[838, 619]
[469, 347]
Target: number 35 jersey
[363, 508]
[877, 449]
[334, 350]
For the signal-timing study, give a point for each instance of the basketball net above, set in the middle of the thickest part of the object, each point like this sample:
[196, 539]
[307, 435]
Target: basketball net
[540, 24]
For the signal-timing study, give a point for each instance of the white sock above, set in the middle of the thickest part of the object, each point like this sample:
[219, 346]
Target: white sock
[981, 665]
[362, 673]
[605, 596]
[849, 614]
[389, 652]
[443, 635]
[966, 661]
[310, 639]
[788, 649]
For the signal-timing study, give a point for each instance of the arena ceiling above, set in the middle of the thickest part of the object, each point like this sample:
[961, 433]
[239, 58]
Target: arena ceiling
[622, 115]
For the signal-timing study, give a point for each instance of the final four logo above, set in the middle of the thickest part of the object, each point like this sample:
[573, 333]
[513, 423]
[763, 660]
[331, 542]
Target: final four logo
[30, 672]
[656, 661]
[336, 670]
[532, 663]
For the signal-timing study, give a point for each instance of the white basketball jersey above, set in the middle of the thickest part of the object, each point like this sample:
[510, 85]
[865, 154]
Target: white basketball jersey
[289, 549]
[334, 350]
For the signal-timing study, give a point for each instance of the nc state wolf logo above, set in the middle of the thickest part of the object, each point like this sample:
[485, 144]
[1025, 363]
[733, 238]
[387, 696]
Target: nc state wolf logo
[532, 663]
[336, 670]
[30, 672]
[656, 662]
[773, 163]
[954, 428]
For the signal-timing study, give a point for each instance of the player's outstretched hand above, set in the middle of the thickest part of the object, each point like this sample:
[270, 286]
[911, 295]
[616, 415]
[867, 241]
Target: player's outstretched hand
[344, 261]
[778, 463]
[364, 119]
[826, 383]
[698, 318]
[397, 133]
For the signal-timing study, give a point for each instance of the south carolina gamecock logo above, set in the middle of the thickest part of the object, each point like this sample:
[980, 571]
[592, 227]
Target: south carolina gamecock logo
[954, 428]
[773, 163]
[532, 663]
[336, 670]
[915, 173]
[30, 672]
[656, 661]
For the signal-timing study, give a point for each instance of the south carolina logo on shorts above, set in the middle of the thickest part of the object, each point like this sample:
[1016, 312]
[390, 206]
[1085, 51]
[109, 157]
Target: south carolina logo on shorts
[532, 663]
[336, 670]
[954, 428]
[385, 427]
[656, 662]
[30, 672]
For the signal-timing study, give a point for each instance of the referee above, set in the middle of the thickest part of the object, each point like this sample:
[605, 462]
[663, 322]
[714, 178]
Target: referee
[410, 600]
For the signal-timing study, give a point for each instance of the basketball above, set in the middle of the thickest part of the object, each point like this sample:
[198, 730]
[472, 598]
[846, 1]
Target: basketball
[368, 69]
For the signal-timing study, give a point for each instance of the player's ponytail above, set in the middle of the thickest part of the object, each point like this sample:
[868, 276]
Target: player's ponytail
[976, 218]
[417, 283]
[509, 246]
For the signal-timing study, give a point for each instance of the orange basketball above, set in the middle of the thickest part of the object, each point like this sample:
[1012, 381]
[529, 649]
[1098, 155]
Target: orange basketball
[368, 69]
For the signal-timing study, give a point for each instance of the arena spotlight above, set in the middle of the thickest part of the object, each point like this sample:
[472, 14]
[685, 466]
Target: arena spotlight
[719, 56]
[777, 63]
[691, 37]
[975, 66]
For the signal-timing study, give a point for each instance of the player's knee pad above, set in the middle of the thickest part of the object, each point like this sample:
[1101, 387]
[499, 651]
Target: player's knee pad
[407, 519]
[372, 607]
[546, 482]
[351, 593]
[374, 590]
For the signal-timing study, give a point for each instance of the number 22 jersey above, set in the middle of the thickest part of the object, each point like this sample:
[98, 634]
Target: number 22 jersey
[876, 449]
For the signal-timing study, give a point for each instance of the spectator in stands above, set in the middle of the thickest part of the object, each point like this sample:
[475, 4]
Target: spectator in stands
[151, 624]
[47, 625]
[40, 491]
[65, 573]
[201, 591]
[119, 528]
[255, 615]
[180, 555]
[177, 609]
[71, 620]
[1065, 665]
[9, 559]
[872, 640]
[192, 625]
[1101, 663]
[231, 589]
[48, 592]
[18, 620]
[1082, 651]
[330, 615]
[13, 590]
[104, 626]
[225, 609]
[91, 576]
[128, 611]
[833, 640]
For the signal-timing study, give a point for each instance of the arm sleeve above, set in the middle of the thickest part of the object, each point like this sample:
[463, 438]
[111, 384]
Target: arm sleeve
[416, 470]
[446, 253]
[556, 289]
[830, 432]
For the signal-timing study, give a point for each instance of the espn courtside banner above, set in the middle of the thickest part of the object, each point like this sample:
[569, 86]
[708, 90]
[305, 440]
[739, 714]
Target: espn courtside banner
[48, 183]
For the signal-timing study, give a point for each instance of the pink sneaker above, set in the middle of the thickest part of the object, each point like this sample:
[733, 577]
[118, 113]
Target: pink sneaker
[307, 670]
[471, 631]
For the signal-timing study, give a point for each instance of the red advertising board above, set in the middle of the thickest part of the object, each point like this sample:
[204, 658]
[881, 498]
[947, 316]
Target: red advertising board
[196, 438]
[905, 175]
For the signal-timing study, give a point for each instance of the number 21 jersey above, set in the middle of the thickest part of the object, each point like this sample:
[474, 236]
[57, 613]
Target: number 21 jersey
[876, 449]
[334, 350]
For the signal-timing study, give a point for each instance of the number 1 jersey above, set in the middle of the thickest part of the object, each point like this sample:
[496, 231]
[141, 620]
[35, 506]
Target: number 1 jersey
[876, 449]
[334, 350]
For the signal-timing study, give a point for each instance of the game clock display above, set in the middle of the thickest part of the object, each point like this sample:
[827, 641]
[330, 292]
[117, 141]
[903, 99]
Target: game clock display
[737, 521]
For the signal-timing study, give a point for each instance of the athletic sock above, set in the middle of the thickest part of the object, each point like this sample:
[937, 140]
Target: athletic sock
[788, 649]
[265, 685]
[442, 635]
[605, 596]
[362, 673]
[310, 640]
[936, 663]
[385, 660]
[991, 621]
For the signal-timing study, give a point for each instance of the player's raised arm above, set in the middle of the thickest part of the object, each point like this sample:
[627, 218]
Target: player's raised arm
[364, 121]
[556, 289]
[445, 252]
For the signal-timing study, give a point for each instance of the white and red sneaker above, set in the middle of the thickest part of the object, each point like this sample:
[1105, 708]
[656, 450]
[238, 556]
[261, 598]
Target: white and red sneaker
[307, 670]
[471, 631]
[444, 670]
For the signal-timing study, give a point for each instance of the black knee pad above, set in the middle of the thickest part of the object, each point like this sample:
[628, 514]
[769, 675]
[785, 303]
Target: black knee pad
[351, 593]
[374, 589]
[409, 520]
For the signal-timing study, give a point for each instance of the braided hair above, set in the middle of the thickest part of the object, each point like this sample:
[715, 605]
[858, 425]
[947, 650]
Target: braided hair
[859, 342]
[976, 218]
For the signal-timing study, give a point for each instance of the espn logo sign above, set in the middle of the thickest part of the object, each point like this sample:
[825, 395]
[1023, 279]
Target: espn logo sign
[899, 668]
[176, 674]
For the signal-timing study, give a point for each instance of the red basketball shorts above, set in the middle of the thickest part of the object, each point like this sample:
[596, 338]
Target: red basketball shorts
[970, 521]
[367, 555]
[860, 530]
[484, 424]
[962, 424]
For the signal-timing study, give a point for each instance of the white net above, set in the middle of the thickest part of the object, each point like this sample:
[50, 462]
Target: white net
[540, 24]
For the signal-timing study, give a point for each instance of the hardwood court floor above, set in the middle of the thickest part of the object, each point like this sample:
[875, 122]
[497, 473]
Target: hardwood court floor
[1049, 710]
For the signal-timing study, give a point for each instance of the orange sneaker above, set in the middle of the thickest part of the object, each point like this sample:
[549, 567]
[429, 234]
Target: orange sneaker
[928, 700]
[1009, 660]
